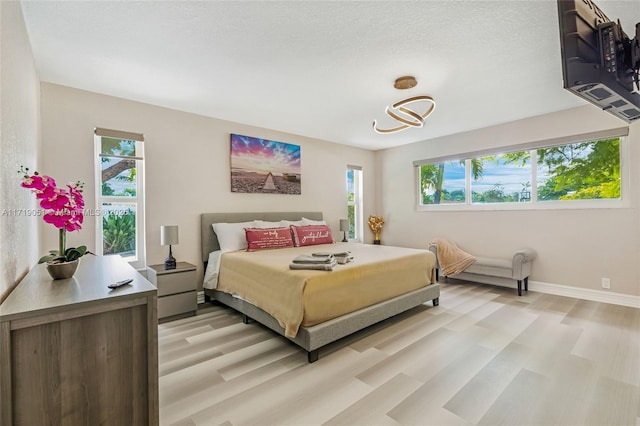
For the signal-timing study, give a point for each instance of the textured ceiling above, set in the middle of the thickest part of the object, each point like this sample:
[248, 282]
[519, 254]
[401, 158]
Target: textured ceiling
[322, 69]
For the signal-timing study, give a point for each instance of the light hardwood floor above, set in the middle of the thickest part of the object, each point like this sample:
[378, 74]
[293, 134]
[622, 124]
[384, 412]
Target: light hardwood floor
[484, 356]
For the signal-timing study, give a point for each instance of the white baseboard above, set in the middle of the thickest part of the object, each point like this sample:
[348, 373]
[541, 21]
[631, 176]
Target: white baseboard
[586, 294]
[558, 290]
[200, 297]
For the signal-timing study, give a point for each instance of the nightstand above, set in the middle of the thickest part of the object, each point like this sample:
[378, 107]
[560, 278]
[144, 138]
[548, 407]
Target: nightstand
[177, 287]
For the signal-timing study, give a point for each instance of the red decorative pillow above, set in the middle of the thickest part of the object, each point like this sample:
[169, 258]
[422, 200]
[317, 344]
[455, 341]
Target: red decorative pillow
[311, 235]
[267, 238]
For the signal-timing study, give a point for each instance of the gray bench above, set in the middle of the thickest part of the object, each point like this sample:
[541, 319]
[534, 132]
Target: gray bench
[517, 268]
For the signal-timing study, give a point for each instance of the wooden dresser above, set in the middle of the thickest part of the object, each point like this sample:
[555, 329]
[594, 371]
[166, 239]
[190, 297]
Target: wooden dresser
[74, 352]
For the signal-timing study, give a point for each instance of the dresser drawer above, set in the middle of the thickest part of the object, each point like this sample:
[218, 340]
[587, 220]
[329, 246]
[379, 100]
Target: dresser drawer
[177, 282]
[177, 304]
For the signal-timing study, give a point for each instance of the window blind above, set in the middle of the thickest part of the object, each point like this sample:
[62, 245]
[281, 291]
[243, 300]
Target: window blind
[119, 134]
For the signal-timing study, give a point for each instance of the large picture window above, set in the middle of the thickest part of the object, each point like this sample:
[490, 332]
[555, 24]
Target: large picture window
[120, 195]
[554, 175]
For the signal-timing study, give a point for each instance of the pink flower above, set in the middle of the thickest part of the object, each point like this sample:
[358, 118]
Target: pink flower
[38, 183]
[34, 182]
[59, 221]
[63, 207]
[76, 196]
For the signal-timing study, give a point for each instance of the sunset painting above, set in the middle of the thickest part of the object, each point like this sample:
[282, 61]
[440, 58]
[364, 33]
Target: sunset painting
[264, 166]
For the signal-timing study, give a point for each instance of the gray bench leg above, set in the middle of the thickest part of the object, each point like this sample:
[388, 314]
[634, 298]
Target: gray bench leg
[526, 286]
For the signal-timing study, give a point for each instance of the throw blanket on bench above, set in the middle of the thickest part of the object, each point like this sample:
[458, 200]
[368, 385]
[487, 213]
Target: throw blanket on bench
[452, 260]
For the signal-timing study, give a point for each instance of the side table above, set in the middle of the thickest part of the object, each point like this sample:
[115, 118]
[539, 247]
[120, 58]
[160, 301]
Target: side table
[177, 295]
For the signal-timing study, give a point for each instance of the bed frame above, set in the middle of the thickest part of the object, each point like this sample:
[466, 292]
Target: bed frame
[311, 339]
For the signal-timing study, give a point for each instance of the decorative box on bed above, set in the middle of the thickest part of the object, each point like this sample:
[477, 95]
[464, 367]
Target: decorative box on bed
[321, 306]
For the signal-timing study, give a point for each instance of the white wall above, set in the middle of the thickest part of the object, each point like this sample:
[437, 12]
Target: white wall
[19, 145]
[187, 166]
[575, 247]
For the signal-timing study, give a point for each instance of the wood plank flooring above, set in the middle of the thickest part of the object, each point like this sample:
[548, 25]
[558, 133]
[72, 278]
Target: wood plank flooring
[483, 357]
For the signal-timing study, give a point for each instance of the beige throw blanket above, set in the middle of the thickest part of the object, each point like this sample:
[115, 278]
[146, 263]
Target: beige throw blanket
[452, 260]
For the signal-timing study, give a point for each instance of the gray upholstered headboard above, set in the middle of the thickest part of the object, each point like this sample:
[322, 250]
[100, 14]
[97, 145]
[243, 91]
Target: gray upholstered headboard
[210, 240]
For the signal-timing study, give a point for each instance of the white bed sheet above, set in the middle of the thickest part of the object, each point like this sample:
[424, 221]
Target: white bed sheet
[212, 271]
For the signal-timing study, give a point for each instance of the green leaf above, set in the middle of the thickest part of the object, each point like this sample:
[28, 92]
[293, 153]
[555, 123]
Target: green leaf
[73, 254]
[48, 257]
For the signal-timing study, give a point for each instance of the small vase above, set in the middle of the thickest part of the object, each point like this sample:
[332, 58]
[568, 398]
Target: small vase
[64, 270]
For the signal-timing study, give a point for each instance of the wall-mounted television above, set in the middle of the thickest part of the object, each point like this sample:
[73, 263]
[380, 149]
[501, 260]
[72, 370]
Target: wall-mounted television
[600, 63]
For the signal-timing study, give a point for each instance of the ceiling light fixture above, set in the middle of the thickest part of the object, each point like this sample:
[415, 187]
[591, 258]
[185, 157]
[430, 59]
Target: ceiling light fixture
[401, 113]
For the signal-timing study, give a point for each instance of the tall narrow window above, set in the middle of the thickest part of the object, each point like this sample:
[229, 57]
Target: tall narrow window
[119, 166]
[354, 203]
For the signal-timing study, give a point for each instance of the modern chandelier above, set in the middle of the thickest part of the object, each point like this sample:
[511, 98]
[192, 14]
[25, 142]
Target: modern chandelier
[401, 112]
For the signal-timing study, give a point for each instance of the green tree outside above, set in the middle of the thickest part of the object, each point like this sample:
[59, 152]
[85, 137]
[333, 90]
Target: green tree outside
[119, 233]
[118, 169]
[586, 170]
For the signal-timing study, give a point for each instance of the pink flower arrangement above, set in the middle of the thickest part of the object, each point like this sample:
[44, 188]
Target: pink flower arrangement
[63, 208]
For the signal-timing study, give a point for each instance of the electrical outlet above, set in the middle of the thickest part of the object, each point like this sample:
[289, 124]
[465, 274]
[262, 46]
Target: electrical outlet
[606, 283]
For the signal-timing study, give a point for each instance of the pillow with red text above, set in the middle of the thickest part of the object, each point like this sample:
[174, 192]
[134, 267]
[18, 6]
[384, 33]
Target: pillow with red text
[268, 238]
[311, 235]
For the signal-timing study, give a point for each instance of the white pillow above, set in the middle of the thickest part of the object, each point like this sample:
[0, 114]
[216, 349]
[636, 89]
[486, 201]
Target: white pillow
[262, 224]
[231, 236]
[288, 223]
[306, 221]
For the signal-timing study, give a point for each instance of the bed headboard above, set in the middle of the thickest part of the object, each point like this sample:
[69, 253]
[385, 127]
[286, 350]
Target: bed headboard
[210, 240]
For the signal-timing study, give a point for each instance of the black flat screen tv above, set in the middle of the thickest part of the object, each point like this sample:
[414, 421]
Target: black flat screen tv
[600, 63]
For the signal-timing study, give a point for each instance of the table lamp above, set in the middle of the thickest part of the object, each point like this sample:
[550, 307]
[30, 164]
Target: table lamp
[168, 237]
[344, 227]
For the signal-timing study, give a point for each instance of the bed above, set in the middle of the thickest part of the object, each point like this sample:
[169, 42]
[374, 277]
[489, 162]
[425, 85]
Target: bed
[395, 281]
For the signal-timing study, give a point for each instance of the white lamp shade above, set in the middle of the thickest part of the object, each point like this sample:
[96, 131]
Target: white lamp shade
[168, 235]
[344, 225]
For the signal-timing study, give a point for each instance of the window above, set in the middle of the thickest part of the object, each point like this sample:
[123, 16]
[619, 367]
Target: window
[119, 165]
[555, 175]
[586, 170]
[354, 203]
[443, 183]
[501, 178]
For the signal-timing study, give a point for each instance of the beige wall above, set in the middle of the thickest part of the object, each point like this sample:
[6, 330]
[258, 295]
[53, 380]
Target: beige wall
[19, 145]
[575, 247]
[187, 166]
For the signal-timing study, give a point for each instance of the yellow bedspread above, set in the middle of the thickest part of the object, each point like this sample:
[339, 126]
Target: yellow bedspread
[301, 297]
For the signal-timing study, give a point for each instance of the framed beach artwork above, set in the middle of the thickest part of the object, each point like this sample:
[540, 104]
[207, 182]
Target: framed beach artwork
[263, 166]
